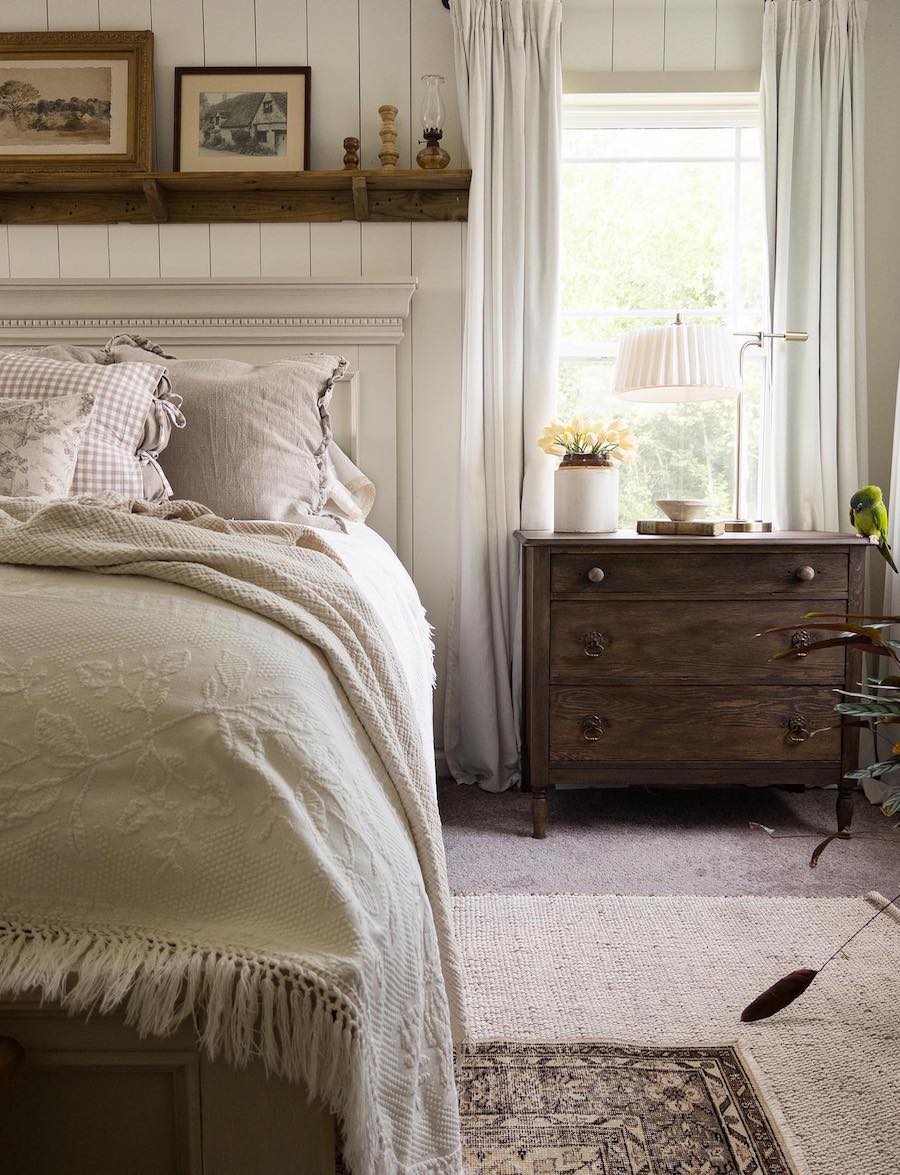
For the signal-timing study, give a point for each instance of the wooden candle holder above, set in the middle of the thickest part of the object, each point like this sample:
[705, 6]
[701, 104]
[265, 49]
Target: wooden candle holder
[388, 134]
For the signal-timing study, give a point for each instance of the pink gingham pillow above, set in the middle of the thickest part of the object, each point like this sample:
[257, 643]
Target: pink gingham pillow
[109, 457]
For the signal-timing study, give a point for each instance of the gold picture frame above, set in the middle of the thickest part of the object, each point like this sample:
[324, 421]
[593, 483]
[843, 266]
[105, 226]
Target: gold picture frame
[73, 101]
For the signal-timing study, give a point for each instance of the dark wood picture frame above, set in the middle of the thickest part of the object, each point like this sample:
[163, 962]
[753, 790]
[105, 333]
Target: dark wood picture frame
[134, 46]
[248, 71]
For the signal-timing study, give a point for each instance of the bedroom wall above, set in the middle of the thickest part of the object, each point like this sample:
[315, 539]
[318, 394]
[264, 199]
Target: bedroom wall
[365, 52]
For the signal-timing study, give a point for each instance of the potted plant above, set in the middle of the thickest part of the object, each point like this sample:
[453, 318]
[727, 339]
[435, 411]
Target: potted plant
[586, 486]
[875, 704]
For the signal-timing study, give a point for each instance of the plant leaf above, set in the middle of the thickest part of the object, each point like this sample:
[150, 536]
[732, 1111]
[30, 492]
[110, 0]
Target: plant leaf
[779, 995]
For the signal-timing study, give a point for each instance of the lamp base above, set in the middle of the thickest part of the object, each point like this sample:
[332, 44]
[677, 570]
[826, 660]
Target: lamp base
[738, 526]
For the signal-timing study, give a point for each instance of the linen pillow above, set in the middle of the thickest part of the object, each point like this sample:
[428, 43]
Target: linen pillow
[258, 433]
[39, 442]
[108, 459]
[164, 415]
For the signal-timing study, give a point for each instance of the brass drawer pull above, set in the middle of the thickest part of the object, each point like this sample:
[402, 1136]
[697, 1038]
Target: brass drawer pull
[592, 728]
[596, 575]
[594, 644]
[805, 574]
[800, 642]
[798, 729]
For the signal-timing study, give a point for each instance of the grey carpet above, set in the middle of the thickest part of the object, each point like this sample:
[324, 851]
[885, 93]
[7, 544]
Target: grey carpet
[673, 842]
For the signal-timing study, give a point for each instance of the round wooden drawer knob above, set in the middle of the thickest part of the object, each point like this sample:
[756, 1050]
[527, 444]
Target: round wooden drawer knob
[805, 574]
[596, 575]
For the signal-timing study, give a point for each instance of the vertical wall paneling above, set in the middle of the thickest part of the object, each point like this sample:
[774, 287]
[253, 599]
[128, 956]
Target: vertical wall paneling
[124, 14]
[384, 75]
[691, 34]
[184, 250]
[436, 364]
[587, 35]
[281, 32]
[431, 51]
[177, 40]
[83, 250]
[387, 250]
[378, 430]
[229, 32]
[133, 250]
[639, 30]
[234, 250]
[284, 250]
[334, 249]
[739, 34]
[73, 14]
[333, 31]
[33, 251]
[24, 14]
[4, 253]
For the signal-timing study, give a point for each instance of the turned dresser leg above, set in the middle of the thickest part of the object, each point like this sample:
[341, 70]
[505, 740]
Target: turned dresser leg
[539, 814]
[846, 789]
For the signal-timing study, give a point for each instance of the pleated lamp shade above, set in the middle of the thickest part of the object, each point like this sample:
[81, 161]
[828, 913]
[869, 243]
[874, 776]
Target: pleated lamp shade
[677, 364]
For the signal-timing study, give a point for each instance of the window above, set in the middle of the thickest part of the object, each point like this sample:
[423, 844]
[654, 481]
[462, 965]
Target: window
[663, 212]
[267, 107]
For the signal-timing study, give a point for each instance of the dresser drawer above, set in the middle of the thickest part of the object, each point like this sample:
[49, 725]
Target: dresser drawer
[693, 640]
[642, 724]
[805, 572]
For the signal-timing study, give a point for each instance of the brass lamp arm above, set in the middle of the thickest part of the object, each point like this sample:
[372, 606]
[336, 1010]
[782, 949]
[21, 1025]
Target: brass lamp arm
[754, 339]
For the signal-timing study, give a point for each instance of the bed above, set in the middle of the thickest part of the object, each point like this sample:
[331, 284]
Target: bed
[218, 827]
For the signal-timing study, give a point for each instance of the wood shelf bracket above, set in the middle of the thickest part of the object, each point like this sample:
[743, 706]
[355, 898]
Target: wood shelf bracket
[156, 201]
[360, 197]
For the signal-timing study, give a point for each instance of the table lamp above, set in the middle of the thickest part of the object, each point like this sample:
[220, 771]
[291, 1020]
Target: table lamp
[686, 364]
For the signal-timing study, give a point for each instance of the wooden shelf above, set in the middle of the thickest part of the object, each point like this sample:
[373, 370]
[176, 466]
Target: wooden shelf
[202, 197]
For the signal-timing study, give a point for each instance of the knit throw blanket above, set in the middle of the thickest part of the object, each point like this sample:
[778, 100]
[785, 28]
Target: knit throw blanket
[193, 821]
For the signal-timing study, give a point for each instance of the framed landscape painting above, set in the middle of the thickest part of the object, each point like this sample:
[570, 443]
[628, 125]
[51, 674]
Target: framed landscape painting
[242, 118]
[76, 101]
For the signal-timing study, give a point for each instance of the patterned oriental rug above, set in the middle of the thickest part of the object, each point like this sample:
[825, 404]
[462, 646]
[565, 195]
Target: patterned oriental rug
[555, 982]
[606, 1109]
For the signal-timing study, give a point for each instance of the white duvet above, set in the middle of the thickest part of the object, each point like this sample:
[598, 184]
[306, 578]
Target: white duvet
[194, 819]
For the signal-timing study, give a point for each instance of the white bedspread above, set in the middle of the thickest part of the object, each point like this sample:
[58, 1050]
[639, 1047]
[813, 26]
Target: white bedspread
[194, 818]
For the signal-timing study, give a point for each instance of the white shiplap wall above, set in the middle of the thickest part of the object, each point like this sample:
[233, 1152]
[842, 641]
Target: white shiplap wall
[362, 53]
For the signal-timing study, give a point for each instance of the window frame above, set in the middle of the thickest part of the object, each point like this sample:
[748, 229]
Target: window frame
[738, 111]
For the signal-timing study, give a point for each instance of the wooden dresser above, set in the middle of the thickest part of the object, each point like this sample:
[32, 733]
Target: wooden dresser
[643, 664]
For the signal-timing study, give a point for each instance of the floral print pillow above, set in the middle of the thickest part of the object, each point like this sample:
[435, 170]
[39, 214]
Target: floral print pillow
[39, 442]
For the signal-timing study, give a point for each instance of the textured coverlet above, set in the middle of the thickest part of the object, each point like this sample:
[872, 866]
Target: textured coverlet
[202, 815]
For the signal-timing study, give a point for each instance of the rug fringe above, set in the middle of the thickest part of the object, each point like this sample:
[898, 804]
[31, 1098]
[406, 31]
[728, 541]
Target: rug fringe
[244, 1006]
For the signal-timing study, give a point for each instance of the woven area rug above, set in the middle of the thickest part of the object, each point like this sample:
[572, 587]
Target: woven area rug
[606, 1109]
[817, 1085]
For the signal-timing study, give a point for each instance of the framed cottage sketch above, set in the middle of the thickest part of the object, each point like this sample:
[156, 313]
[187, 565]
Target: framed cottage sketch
[76, 101]
[242, 118]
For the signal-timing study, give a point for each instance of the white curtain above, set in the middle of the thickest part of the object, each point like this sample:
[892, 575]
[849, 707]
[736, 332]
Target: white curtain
[812, 98]
[509, 76]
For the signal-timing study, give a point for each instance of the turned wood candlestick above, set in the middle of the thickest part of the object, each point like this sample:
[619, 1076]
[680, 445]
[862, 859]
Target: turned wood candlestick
[388, 134]
[351, 153]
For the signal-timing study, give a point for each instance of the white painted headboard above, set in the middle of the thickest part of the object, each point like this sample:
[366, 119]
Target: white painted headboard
[253, 319]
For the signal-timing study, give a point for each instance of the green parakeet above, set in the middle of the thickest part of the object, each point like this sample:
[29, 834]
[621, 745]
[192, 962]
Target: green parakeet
[869, 515]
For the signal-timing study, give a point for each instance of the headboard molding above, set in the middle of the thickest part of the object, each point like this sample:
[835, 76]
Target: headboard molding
[233, 311]
[263, 318]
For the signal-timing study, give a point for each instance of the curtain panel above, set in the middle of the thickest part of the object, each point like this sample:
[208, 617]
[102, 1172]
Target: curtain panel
[509, 76]
[812, 113]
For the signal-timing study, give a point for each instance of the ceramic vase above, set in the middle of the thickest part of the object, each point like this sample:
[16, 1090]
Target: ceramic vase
[586, 495]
